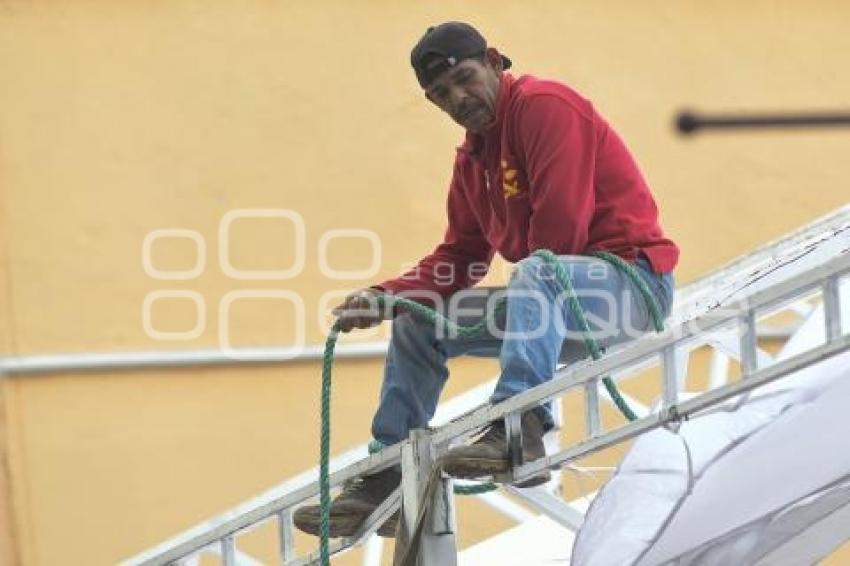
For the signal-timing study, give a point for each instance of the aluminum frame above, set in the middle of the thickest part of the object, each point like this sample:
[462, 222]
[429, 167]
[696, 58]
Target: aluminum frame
[666, 349]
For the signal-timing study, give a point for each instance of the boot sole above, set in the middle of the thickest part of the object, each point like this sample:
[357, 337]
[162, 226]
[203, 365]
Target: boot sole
[477, 468]
[344, 526]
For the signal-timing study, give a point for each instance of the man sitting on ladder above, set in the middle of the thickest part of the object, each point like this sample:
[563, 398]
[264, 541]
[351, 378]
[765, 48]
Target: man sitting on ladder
[539, 169]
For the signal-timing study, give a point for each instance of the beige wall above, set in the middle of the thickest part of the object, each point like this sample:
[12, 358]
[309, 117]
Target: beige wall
[117, 119]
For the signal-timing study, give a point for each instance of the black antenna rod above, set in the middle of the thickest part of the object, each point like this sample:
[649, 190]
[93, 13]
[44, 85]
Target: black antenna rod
[690, 122]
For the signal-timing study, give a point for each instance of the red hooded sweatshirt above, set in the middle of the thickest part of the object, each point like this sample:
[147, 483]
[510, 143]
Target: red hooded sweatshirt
[550, 173]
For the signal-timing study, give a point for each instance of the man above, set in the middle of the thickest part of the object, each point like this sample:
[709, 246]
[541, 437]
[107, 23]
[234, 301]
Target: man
[539, 169]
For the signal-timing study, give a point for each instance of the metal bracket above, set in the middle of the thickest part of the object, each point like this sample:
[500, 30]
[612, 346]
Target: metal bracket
[437, 545]
[513, 434]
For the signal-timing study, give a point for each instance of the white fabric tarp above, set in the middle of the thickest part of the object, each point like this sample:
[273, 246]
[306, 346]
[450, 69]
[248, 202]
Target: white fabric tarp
[767, 482]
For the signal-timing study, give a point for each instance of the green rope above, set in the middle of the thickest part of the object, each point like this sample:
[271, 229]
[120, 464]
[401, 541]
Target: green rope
[578, 314]
[430, 315]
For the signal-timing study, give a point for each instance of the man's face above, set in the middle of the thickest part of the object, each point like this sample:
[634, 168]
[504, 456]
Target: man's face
[467, 92]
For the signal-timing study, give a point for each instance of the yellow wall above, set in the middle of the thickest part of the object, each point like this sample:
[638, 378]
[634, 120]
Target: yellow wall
[119, 118]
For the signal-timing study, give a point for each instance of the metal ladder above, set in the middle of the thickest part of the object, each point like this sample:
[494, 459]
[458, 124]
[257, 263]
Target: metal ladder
[721, 311]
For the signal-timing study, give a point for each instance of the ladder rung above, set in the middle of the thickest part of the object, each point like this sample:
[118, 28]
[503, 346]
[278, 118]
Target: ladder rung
[228, 551]
[670, 384]
[749, 354]
[591, 408]
[832, 307]
[287, 541]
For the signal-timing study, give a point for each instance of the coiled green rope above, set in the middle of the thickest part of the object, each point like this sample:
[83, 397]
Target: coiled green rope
[430, 315]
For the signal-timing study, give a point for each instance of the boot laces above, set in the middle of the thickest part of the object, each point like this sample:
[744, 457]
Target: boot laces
[493, 432]
[370, 487]
[357, 486]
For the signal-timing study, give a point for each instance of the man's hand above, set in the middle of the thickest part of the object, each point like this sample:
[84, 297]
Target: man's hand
[361, 310]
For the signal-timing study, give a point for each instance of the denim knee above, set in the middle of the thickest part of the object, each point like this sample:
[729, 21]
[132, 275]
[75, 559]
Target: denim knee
[530, 272]
[407, 328]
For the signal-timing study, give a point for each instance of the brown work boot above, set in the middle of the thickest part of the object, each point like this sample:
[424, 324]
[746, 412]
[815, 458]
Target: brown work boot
[350, 509]
[488, 455]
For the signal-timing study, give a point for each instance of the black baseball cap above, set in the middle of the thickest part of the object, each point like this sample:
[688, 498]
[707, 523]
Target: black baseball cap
[444, 46]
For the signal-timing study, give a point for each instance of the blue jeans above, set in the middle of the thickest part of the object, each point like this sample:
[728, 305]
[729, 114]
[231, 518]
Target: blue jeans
[535, 333]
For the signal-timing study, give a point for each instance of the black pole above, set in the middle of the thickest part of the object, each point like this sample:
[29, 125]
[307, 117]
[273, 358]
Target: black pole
[689, 122]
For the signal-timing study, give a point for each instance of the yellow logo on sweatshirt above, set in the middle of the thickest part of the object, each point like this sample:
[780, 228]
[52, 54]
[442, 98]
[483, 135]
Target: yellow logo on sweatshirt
[510, 184]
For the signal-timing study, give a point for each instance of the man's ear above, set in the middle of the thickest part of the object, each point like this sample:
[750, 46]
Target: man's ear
[494, 59]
